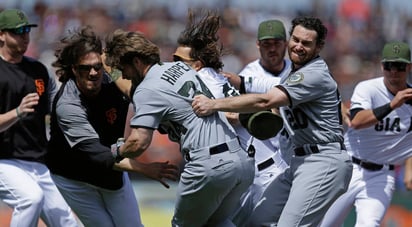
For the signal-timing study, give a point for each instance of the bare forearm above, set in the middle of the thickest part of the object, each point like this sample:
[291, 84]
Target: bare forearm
[274, 98]
[131, 149]
[138, 141]
[364, 119]
[248, 103]
[8, 119]
[242, 104]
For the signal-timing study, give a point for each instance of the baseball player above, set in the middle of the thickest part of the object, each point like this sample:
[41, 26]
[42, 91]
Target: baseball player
[26, 93]
[321, 169]
[379, 138]
[260, 76]
[217, 170]
[205, 60]
[89, 115]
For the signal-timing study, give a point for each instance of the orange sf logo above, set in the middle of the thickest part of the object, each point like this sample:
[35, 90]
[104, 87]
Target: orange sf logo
[111, 115]
[39, 86]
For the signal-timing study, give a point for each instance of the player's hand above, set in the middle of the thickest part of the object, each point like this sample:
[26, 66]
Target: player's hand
[233, 79]
[232, 117]
[202, 105]
[404, 96]
[27, 104]
[160, 171]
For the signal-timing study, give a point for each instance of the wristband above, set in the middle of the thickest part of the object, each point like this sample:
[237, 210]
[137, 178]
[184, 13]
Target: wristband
[115, 150]
[382, 111]
[19, 115]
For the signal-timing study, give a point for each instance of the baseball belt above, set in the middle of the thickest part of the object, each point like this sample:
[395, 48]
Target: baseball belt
[220, 148]
[263, 165]
[314, 149]
[370, 165]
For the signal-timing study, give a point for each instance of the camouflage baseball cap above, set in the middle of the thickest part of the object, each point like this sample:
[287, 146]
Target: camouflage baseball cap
[396, 52]
[271, 29]
[13, 18]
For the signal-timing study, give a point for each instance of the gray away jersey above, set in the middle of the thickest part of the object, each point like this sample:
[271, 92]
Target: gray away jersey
[314, 114]
[165, 97]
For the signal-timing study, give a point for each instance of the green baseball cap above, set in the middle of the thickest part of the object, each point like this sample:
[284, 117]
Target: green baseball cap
[13, 18]
[271, 29]
[396, 52]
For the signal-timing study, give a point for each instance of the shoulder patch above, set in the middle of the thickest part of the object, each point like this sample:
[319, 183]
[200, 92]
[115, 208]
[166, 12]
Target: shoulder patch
[295, 78]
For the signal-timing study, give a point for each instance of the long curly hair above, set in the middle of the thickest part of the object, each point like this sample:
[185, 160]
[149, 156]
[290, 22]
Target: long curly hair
[200, 35]
[78, 43]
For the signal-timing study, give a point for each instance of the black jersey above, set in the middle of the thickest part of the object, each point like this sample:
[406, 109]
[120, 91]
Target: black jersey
[82, 131]
[26, 139]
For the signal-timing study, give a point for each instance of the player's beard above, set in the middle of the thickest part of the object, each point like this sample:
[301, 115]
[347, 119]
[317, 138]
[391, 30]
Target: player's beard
[299, 61]
[137, 79]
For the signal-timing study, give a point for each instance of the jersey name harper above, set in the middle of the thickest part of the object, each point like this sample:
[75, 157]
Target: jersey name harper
[175, 72]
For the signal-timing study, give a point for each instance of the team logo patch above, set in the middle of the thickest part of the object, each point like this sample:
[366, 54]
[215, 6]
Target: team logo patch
[396, 49]
[39, 86]
[295, 78]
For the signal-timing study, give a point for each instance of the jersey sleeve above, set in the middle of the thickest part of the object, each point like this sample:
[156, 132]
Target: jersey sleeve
[149, 108]
[72, 119]
[361, 97]
[260, 84]
[307, 85]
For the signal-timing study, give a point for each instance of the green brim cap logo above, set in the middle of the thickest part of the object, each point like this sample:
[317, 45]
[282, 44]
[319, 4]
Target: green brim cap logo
[271, 29]
[396, 52]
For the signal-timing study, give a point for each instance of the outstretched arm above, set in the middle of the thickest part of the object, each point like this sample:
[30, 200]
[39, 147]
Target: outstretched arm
[247, 103]
[137, 142]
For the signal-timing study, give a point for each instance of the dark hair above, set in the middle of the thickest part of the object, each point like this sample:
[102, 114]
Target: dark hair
[122, 46]
[79, 43]
[311, 23]
[201, 36]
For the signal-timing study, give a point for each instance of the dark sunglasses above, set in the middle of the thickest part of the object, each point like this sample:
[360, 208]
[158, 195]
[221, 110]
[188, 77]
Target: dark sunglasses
[87, 68]
[178, 58]
[20, 31]
[399, 66]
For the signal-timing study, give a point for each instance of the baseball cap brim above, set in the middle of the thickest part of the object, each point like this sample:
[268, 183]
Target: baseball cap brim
[396, 60]
[262, 125]
[272, 37]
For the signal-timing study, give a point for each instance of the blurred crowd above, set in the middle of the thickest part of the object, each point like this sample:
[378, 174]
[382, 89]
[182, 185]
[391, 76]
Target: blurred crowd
[357, 28]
